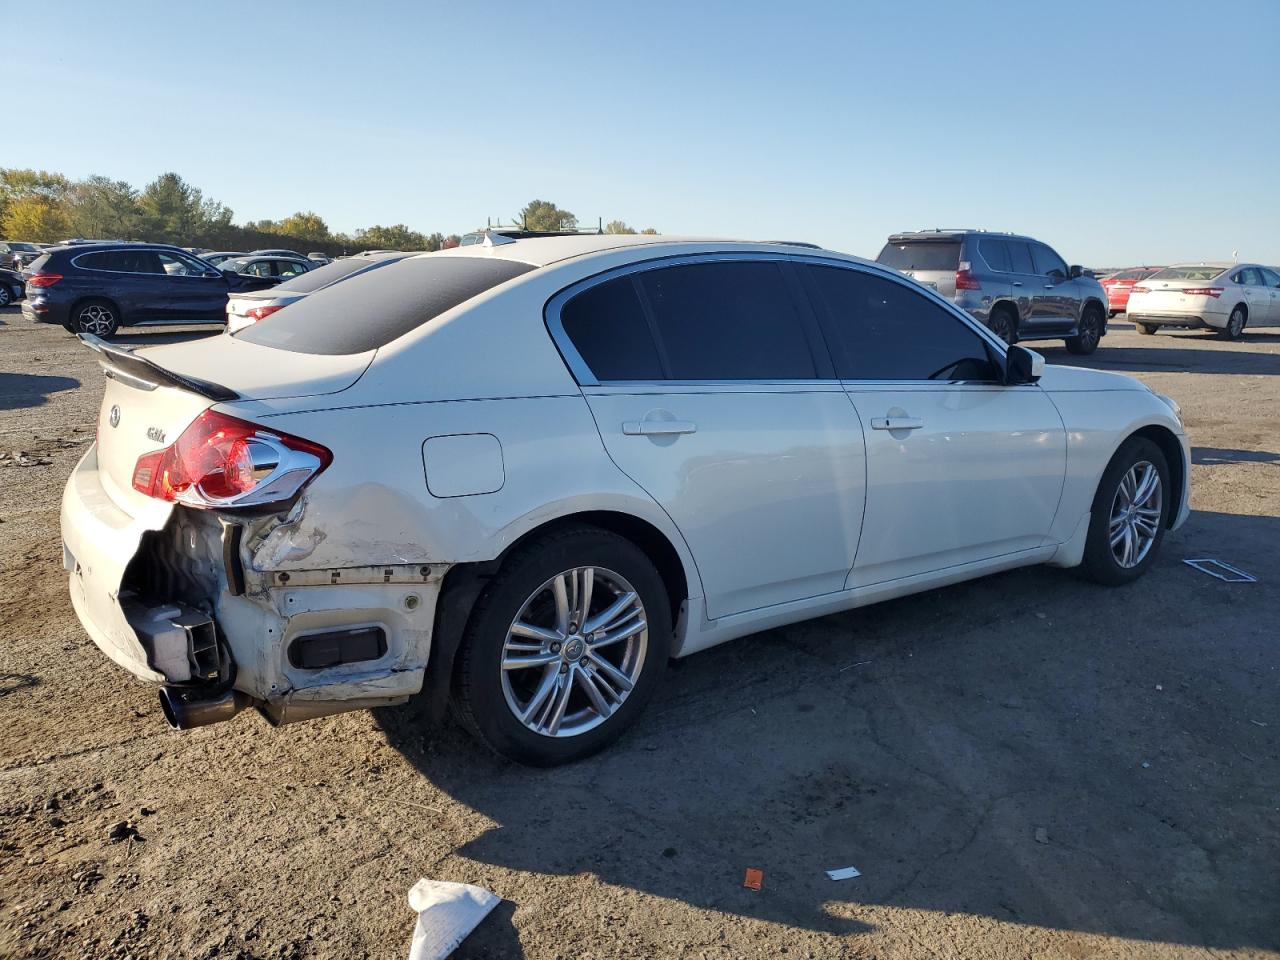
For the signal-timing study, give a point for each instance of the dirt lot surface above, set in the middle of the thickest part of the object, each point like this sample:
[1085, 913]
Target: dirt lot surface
[1024, 766]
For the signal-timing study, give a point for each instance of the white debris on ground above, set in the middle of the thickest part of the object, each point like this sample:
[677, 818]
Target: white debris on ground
[447, 913]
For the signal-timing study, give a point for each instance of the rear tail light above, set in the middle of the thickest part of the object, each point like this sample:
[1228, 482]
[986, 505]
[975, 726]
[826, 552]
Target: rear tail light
[1140, 290]
[43, 279]
[965, 279]
[220, 461]
[257, 313]
[1214, 292]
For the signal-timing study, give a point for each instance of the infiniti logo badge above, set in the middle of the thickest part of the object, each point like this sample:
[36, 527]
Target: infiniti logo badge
[114, 418]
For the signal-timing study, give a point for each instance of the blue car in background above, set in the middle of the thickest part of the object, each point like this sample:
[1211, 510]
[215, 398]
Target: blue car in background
[98, 288]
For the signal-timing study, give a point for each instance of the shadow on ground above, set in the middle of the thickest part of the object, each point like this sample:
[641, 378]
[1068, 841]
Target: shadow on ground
[22, 390]
[1027, 747]
[1166, 359]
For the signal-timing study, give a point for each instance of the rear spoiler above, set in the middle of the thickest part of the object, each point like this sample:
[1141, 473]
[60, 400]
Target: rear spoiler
[123, 364]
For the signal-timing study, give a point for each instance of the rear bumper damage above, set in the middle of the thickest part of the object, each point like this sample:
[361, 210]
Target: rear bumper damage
[223, 611]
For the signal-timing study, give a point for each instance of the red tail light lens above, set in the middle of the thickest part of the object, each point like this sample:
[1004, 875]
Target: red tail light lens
[43, 279]
[257, 313]
[1214, 292]
[965, 279]
[1140, 290]
[221, 461]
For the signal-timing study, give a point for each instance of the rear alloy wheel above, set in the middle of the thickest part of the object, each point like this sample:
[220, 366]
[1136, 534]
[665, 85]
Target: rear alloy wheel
[1001, 322]
[1235, 325]
[6, 295]
[1127, 523]
[96, 317]
[1147, 329]
[564, 648]
[1089, 332]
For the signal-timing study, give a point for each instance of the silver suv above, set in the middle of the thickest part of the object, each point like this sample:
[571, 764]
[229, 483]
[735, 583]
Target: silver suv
[1017, 286]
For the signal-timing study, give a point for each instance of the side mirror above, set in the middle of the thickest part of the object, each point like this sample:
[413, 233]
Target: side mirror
[1076, 270]
[1022, 366]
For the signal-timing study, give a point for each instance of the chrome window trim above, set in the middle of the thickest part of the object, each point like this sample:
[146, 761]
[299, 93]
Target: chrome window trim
[140, 248]
[585, 378]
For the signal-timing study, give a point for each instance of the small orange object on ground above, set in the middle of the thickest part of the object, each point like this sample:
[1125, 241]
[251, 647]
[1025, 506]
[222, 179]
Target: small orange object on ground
[754, 880]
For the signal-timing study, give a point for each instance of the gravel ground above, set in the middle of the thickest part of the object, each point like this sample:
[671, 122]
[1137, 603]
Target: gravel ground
[1023, 766]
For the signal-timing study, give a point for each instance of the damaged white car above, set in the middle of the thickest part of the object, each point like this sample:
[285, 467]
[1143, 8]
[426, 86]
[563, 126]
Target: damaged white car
[525, 473]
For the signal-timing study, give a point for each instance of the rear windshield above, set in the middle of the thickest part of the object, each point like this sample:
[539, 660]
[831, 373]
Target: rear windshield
[372, 309]
[921, 255]
[1188, 273]
[331, 273]
[38, 263]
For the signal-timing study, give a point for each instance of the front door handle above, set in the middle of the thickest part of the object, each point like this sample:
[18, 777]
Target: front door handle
[896, 423]
[651, 428]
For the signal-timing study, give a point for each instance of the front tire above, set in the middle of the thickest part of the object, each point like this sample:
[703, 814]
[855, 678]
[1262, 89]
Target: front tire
[1235, 324]
[1130, 510]
[97, 317]
[1088, 333]
[1147, 329]
[564, 648]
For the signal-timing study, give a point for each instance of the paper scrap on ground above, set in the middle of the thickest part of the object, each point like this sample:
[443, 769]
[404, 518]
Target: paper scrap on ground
[754, 879]
[844, 873]
[1221, 569]
[447, 912]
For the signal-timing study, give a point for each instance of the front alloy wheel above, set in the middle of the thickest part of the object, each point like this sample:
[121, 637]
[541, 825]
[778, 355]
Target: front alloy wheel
[1128, 519]
[574, 652]
[1136, 513]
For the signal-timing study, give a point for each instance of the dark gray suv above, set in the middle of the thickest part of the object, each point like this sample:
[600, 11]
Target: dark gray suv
[1017, 286]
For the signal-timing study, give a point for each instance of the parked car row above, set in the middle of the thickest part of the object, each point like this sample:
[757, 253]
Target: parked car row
[1225, 297]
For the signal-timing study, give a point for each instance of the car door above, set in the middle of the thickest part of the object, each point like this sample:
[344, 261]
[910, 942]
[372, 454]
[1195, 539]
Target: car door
[1025, 283]
[1058, 303]
[1256, 294]
[712, 390]
[147, 294]
[194, 293]
[1271, 280]
[960, 468]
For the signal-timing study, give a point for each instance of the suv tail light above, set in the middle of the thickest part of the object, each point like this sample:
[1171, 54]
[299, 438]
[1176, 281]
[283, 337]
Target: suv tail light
[257, 313]
[965, 279]
[1214, 292]
[43, 279]
[220, 461]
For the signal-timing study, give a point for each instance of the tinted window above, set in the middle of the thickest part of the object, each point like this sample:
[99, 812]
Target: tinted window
[332, 273]
[289, 268]
[1019, 257]
[731, 320]
[879, 329]
[995, 253]
[921, 255]
[608, 328]
[179, 266]
[106, 260]
[372, 309]
[1047, 261]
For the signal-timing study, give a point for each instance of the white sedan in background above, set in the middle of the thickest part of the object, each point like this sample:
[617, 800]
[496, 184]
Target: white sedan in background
[1223, 296]
[524, 474]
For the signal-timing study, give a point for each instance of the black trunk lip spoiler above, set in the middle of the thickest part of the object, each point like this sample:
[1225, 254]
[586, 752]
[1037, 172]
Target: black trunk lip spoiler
[140, 370]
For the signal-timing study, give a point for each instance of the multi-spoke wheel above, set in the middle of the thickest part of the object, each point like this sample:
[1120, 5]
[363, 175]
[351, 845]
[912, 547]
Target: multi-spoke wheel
[97, 317]
[1130, 511]
[1235, 324]
[564, 647]
[1088, 333]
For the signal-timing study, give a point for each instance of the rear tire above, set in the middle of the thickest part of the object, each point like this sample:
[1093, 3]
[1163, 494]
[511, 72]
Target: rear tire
[1004, 324]
[1235, 324]
[1088, 333]
[1147, 329]
[100, 318]
[1118, 513]
[6, 295]
[490, 700]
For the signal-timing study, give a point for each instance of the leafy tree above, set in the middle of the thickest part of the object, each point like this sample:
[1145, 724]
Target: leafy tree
[545, 215]
[435, 241]
[103, 209]
[649, 232]
[16, 184]
[306, 226]
[395, 237]
[173, 211]
[35, 218]
[618, 226]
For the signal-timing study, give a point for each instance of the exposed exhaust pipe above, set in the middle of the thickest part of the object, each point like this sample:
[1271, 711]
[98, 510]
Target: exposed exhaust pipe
[186, 707]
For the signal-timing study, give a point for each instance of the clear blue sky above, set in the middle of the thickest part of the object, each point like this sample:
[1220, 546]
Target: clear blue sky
[1119, 132]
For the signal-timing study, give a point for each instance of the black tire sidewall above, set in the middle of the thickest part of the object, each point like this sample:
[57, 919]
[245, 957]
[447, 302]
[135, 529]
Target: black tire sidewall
[1146, 329]
[6, 295]
[1099, 562]
[1078, 344]
[1009, 320]
[1231, 334]
[478, 689]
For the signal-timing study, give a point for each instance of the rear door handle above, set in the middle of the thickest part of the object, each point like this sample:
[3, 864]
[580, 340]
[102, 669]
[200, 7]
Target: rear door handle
[652, 428]
[1017, 283]
[896, 423]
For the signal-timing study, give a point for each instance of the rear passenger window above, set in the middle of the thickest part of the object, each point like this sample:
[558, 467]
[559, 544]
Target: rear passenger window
[727, 320]
[608, 328]
[1019, 257]
[995, 253]
[879, 329]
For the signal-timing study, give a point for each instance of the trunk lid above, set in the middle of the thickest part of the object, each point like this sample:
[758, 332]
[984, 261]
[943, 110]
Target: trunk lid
[153, 394]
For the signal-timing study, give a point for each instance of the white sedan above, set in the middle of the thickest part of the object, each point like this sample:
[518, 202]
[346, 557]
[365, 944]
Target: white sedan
[537, 469]
[1222, 296]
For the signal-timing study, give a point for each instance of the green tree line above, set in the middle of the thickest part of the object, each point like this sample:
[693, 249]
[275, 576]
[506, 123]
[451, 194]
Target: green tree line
[44, 207]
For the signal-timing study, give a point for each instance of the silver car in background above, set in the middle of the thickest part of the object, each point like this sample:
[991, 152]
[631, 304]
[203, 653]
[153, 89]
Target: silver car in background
[246, 309]
[1017, 286]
